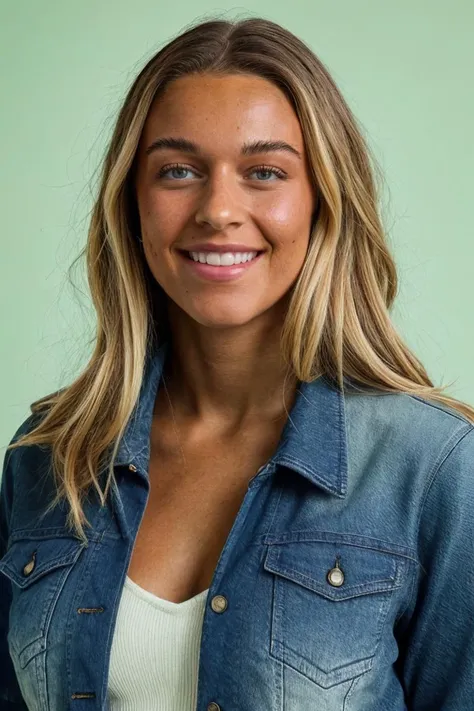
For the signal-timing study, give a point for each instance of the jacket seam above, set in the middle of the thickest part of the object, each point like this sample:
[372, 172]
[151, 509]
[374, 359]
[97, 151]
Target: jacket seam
[14, 501]
[458, 437]
[456, 416]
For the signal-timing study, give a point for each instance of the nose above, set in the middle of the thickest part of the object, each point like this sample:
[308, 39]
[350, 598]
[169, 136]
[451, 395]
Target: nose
[221, 203]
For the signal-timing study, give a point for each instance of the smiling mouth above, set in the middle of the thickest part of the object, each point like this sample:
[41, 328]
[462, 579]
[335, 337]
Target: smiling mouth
[221, 259]
[220, 271]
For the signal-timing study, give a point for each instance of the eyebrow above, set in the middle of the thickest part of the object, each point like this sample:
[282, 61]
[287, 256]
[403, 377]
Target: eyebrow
[248, 149]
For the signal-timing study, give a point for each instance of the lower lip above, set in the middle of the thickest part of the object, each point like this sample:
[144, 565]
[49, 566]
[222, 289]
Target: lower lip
[212, 273]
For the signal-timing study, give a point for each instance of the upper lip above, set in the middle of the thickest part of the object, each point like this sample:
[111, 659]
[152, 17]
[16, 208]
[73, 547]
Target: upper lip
[209, 247]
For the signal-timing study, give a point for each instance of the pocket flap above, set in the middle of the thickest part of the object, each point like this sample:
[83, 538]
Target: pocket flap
[28, 559]
[308, 563]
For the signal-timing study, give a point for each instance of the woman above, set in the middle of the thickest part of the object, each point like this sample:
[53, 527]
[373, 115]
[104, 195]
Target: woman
[253, 497]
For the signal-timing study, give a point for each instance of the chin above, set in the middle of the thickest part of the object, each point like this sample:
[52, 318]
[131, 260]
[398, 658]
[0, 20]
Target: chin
[228, 318]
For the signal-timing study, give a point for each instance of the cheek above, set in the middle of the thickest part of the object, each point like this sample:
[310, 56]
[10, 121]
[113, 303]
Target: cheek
[162, 218]
[282, 216]
[288, 228]
[287, 263]
[151, 254]
[290, 239]
[288, 217]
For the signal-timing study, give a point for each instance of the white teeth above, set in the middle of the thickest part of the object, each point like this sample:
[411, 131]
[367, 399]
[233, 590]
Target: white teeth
[223, 259]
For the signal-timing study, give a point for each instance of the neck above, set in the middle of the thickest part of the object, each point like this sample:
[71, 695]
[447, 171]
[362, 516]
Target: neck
[228, 376]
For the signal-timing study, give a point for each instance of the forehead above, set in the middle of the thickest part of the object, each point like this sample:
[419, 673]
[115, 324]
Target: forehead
[217, 110]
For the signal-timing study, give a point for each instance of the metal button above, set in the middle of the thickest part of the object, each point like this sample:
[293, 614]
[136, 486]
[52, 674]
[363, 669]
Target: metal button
[219, 603]
[132, 467]
[335, 576]
[213, 707]
[29, 567]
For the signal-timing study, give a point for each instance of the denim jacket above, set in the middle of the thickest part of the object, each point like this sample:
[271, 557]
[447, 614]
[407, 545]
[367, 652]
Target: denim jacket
[347, 577]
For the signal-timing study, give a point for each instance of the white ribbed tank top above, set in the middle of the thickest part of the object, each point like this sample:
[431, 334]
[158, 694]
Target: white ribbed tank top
[154, 658]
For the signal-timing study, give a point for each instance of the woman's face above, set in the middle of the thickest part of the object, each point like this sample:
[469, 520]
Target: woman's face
[207, 190]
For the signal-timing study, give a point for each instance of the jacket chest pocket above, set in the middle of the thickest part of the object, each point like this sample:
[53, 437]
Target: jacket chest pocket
[38, 569]
[330, 602]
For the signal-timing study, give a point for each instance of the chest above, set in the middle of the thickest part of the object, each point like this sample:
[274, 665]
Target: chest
[284, 619]
[195, 495]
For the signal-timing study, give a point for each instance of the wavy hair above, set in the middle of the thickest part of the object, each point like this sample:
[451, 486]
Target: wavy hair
[338, 319]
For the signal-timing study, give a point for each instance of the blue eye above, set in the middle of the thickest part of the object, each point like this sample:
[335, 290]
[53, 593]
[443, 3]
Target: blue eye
[171, 168]
[180, 168]
[269, 169]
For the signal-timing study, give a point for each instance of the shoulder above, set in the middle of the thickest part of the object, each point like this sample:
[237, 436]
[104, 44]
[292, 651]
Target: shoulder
[22, 458]
[404, 420]
[414, 439]
[25, 427]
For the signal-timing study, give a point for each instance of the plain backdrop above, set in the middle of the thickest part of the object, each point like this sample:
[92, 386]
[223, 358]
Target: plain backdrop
[405, 69]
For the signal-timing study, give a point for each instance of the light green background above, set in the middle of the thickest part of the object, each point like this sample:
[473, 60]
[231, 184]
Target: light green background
[405, 68]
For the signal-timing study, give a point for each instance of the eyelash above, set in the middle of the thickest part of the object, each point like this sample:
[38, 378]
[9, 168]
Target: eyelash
[263, 168]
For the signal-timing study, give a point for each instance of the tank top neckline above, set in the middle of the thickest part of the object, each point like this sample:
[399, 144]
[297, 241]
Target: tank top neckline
[162, 603]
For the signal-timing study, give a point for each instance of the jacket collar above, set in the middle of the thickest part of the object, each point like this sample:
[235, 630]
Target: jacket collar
[313, 442]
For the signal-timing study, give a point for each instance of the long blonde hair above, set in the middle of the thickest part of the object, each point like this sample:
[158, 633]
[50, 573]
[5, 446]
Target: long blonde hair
[337, 322]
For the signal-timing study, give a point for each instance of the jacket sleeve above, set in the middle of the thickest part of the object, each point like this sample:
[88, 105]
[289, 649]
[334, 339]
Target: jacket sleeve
[437, 664]
[10, 694]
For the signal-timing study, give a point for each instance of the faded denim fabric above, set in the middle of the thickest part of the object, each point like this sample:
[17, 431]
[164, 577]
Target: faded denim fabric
[380, 486]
